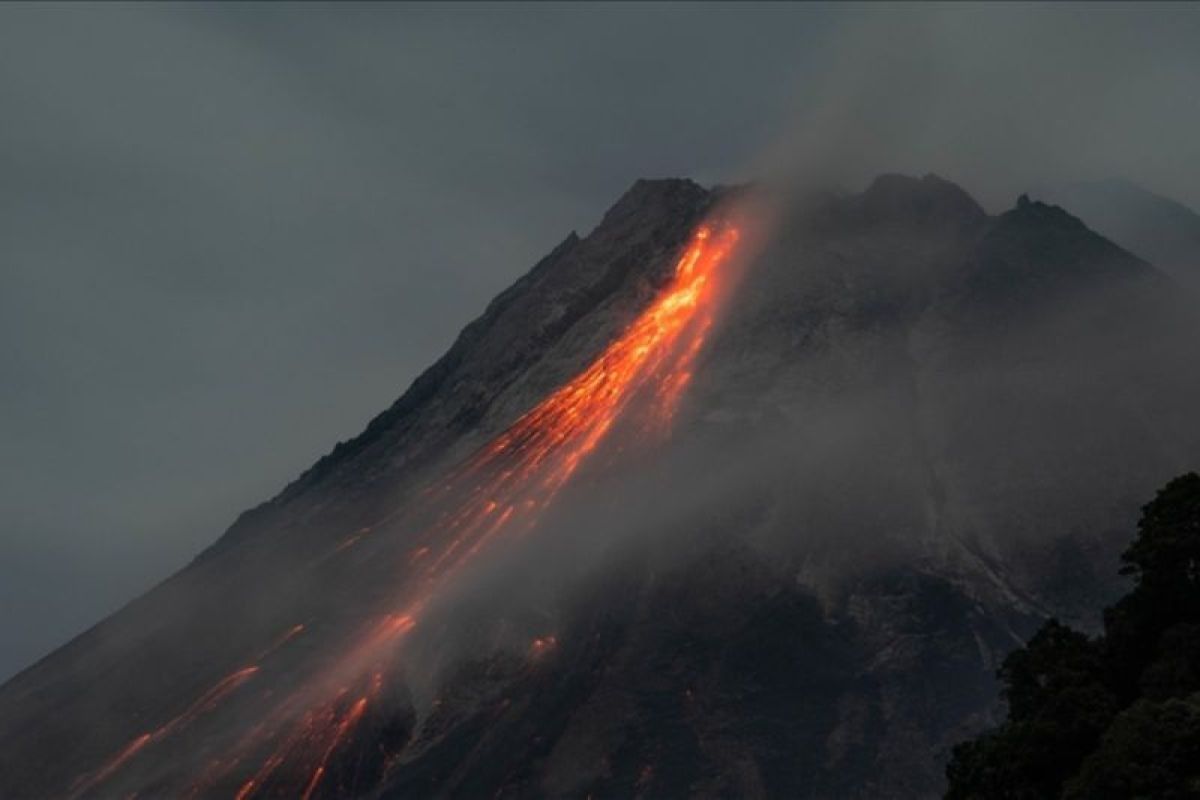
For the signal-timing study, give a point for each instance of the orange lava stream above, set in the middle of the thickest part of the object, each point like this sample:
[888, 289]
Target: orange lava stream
[503, 487]
[344, 726]
[541, 646]
[524, 468]
[288, 635]
[205, 703]
[114, 764]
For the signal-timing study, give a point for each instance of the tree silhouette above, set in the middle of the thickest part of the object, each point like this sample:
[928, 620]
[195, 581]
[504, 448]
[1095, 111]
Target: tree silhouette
[1117, 716]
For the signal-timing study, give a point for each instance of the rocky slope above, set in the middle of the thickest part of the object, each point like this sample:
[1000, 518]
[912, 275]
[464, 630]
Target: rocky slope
[918, 430]
[1158, 228]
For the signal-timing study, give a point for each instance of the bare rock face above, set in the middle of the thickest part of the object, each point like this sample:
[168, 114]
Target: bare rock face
[917, 431]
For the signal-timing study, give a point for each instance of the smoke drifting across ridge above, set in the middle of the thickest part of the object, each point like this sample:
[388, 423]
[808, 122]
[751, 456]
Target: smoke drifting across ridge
[821, 435]
[175, 268]
[1002, 98]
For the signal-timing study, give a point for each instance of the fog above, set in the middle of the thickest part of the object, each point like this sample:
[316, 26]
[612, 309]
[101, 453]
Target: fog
[1001, 98]
[230, 235]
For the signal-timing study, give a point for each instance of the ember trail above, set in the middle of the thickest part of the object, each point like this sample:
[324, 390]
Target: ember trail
[499, 491]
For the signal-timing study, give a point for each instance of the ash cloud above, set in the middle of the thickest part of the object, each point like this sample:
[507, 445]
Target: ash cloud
[230, 235]
[1002, 98]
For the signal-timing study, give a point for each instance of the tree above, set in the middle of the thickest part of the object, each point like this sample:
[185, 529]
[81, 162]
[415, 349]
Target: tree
[1150, 750]
[1117, 716]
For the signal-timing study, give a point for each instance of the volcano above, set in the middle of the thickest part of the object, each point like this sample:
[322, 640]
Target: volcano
[712, 501]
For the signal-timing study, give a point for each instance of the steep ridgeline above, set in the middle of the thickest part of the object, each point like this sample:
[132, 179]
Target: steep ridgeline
[1155, 227]
[915, 431]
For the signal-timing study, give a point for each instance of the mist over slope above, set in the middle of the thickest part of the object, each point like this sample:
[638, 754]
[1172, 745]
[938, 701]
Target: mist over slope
[916, 430]
[1160, 229]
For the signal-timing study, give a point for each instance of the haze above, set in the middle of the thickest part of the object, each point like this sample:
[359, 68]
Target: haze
[231, 234]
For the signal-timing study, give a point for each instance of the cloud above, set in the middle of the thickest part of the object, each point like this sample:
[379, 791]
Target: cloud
[229, 235]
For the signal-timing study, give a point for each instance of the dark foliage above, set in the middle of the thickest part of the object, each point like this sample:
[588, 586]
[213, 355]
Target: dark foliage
[1117, 716]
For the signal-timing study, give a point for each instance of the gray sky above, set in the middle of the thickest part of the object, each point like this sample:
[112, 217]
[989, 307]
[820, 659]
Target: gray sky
[231, 234]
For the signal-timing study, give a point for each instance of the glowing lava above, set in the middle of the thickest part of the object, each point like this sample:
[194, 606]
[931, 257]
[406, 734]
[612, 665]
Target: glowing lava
[202, 705]
[502, 488]
[541, 646]
[521, 471]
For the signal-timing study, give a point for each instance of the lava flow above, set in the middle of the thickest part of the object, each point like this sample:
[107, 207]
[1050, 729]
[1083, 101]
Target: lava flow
[204, 704]
[501, 489]
[519, 473]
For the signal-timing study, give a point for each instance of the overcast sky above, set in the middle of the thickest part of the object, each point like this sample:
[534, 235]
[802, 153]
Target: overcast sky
[229, 235]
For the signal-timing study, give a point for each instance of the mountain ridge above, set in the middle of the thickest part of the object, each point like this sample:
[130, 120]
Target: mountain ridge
[1164, 231]
[882, 463]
